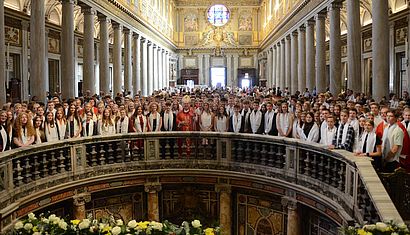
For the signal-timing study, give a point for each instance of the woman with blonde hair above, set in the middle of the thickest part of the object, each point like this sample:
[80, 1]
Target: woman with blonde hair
[24, 133]
[154, 117]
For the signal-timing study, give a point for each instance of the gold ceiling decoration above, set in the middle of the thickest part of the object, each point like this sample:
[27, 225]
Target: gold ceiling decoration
[212, 2]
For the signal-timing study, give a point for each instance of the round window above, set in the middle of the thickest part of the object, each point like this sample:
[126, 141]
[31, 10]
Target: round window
[218, 15]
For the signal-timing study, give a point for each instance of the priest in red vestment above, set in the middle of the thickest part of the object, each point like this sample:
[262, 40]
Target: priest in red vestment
[185, 122]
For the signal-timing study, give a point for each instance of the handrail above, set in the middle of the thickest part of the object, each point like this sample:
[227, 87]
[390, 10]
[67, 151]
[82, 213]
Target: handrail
[336, 176]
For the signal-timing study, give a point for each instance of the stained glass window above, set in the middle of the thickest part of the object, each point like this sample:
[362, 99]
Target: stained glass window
[218, 15]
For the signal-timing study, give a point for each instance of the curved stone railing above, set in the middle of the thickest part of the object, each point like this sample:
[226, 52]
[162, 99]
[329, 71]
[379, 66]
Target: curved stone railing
[346, 184]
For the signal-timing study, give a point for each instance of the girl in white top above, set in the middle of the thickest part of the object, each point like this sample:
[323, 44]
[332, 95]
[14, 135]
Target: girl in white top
[221, 120]
[106, 126]
[206, 118]
[122, 122]
[297, 124]
[140, 121]
[310, 130]
[284, 121]
[61, 123]
[50, 128]
[154, 118]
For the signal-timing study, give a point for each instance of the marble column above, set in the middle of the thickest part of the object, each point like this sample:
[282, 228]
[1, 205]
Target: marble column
[294, 65]
[278, 66]
[67, 49]
[2, 60]
[302, 59]
[269, 68]
[207, 66]
[155, 67]
[225, 208]
[380, 48]
[24, 64]
[150, 68]
[229, 70]
[88, 68]
[136, 68]
[293, 220]
[160, 69]
[274, 68]
[282, 65]
[201, 69]
[335, 43]
[127, 61]
[310, 55]
[235, 70]
[288, 62]
[144, 60]
[152, 190]
[354, 45]
[104, 56]
[321, 82]
[166, 69]
[117, 60]
[79, 201]
[38, 81]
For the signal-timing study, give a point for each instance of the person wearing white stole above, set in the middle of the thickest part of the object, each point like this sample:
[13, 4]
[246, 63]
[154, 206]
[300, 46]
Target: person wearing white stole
[122, 123]
[236, 121]
[256, 119]
[284, 121]
[24, 133]
[270, 120]
[328, 134]
[4, 136]
[246, 111]
[140, 121]
[406, 119]
[221, 120]
[310, 130]
[206, 118]
[355, 124]
[154, 118]
[370, 145]
[73, 123]
[89, 126]
[344, 136]
[61, 123]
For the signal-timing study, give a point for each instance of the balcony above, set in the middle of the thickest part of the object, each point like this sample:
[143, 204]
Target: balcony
[344, 188]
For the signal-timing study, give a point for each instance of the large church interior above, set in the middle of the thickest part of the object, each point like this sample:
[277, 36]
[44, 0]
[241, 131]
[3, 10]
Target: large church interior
[207, 117]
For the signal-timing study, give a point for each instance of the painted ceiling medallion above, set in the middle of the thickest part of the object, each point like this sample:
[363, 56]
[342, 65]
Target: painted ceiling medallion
[218, 15]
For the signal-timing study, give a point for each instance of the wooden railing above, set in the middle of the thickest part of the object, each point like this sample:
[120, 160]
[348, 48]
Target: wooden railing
[334, 177]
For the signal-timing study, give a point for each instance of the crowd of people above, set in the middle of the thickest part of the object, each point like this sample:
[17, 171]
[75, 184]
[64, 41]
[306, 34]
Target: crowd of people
[352, 122]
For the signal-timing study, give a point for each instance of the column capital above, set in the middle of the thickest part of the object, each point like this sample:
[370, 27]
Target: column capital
[87, 10]
[287, 37]
[336, 5]
[282, 41]
[68, 1]
[126, 30]
[310, 22]
[223, 188]
[25, 24]
[102, 17]
[116, 25]
[136, 35]
[289, 203]
[295, 33]
[321, 15]
[152, 187]
[81, 199]
[302, 28]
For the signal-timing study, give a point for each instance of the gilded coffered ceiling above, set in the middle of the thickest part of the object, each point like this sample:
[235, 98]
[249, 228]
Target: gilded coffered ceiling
[211, 2]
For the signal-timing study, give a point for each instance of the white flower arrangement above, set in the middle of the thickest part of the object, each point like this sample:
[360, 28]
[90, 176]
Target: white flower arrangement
[380, 228]
[53, 224]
